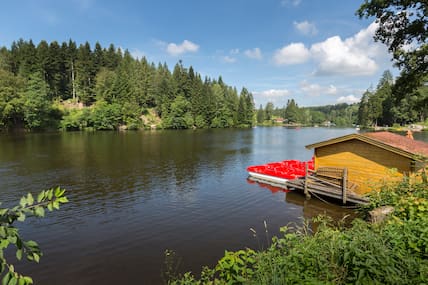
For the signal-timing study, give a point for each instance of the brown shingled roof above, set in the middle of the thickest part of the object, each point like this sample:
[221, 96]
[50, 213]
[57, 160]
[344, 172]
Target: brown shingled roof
[401, 142]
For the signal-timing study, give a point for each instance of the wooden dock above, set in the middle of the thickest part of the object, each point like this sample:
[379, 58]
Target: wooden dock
[328, 182]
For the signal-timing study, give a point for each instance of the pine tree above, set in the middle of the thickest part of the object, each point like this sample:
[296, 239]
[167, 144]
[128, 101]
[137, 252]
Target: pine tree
[27, 58]
[363, 110]
[99, 61]
[292, 112]
[260, 115]
[269, 110]
[181, 80]
[37, 106]
[85, 74]
[43, 59]
[54, 70]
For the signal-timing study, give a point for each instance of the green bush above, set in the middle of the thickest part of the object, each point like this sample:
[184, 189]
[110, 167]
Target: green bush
[75, 119]
[106, 116]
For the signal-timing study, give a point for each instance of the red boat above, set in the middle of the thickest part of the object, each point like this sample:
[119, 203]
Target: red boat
[280, 172]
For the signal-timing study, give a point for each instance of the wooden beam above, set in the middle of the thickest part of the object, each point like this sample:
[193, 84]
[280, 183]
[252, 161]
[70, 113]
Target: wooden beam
[305, 186]
[344, 186]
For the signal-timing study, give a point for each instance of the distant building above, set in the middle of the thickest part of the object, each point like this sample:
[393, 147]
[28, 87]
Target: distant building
[370, 157]
[328, 124]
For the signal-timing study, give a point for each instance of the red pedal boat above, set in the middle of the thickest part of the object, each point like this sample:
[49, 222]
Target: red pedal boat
[280, 172]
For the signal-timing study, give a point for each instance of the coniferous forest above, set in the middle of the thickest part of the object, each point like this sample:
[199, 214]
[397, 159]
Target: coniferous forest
[70, 87]
[52, 86]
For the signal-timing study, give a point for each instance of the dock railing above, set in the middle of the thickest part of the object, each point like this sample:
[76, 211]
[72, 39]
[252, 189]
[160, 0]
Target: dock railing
[332, 180]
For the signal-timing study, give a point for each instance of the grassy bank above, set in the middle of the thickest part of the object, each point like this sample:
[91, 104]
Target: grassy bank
[392, 252]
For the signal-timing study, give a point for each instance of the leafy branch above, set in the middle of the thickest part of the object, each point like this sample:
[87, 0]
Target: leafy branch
[9, 235]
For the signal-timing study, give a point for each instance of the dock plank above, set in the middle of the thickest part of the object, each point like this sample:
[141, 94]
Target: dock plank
[324, 189]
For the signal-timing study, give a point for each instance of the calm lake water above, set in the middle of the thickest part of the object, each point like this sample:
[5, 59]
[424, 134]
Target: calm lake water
[135, 194]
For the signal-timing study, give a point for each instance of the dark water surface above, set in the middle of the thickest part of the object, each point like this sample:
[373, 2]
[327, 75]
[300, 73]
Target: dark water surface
[135, 194]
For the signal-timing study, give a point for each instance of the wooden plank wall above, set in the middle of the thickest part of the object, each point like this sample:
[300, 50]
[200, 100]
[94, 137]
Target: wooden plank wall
[367, 164]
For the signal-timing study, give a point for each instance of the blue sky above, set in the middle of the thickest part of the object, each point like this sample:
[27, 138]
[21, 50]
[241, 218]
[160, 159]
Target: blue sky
[316, 52]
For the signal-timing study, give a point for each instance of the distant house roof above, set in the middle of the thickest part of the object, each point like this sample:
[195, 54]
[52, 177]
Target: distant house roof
[386, 140]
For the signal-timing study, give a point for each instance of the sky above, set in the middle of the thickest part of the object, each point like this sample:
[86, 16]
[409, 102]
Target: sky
[316, 52]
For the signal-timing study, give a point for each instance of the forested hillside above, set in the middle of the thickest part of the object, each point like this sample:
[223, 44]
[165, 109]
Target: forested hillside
[385, 105]
[340, 114]
[53, 85]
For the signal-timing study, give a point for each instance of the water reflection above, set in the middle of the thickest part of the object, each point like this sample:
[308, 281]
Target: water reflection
[310, 208]
[315, 207]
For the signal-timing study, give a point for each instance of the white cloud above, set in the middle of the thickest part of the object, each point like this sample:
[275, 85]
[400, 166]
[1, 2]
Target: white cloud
[229, 59]
[306, 28]
[350, 99]
[335, 56]
[293, 53]
[272, 93]
[185, 46]
[316, 89]
[276, 96]
[363, 42]
[294, 3]
[354, 56]
[253, 53]
[358, 55]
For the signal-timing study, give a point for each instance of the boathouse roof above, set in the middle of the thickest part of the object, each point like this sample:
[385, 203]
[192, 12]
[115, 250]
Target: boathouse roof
[389, 141]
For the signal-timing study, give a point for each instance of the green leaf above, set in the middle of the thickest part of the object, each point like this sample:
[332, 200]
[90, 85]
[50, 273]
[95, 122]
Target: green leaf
[50, 208]
[23, 202]
[4, 243]
[2, 232]
[57, 192]
[6, 278]
[31, 243]
[13, 280]
[41, 196]
[63, 200]
[28, 279]
[50, 194]
[30, 199]
[12, 239]
[19, 254]
[39, 211]
[21, 217]
[36, 257]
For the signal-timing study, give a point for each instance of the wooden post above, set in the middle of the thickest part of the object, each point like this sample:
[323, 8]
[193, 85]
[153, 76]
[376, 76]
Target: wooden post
[344, 186]
[305, 187]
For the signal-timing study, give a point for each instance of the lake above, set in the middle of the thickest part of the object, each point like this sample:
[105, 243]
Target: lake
[135, 194]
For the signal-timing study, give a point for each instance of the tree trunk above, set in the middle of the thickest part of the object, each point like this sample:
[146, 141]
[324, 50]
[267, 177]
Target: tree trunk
[72, 82]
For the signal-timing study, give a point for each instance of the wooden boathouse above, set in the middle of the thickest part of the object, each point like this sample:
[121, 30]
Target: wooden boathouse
[370, 158]
[347, 167]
